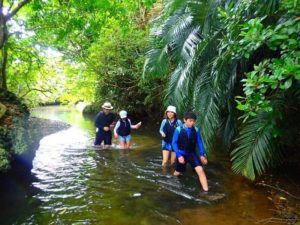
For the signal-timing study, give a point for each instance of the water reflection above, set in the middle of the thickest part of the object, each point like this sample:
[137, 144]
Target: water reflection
[80, 184]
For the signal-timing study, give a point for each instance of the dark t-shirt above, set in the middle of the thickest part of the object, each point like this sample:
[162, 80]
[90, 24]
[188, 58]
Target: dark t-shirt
[103, 120]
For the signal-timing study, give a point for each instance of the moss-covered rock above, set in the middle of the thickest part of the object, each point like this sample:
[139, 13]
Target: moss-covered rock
[13, 128]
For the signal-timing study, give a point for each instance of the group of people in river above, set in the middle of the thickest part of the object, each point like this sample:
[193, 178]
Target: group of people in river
[179, 139]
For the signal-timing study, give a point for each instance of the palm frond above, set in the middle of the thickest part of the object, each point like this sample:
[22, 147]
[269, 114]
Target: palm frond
[206, 107]
[224, 83]
[157, 62]
[178, 91]
[267, 6]
[256, 148]
[169, 7]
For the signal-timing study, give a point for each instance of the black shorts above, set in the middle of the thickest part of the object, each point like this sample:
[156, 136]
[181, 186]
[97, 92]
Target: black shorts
[191, 158]
[103, 136]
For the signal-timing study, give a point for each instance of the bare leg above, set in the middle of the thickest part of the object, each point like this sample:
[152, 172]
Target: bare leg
[106, 146]
[173, 158]
[202, 177]
[122, 144]
[127, 145]
[165, 154]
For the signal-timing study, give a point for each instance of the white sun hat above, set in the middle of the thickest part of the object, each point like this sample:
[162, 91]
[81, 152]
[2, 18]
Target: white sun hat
[123, 114]
[107, 105]
[171, 109]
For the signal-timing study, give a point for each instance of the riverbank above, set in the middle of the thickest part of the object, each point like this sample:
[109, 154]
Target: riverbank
[36, 129]
[20, 134]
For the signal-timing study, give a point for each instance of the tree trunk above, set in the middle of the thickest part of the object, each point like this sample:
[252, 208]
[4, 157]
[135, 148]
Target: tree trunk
[4, 37]
[3, 67]
[3, 49]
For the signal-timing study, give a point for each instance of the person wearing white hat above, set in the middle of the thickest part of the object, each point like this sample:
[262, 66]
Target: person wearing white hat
[104, 121]
[123, 129]
[167, 128]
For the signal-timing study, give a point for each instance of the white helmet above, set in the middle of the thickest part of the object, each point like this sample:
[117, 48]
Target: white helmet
[171, 109]
[123, 114]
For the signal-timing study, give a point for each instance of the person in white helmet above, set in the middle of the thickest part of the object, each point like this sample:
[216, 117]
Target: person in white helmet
[167, 128]
[123, 128]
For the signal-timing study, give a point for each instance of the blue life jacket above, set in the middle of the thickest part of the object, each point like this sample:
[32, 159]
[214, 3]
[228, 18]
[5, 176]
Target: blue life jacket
[187, 143]
[169, 129]
[124, 128]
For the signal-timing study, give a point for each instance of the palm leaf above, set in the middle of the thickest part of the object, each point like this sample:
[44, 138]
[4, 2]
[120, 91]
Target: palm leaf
[256, 148]
[267, 6]
[206, 106]
[157, 62]
[178, 93]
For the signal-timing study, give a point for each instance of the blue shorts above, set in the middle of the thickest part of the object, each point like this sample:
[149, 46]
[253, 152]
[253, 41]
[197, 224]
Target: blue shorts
[191, 158]
[125, 138]
[166, 146]
[103, 136]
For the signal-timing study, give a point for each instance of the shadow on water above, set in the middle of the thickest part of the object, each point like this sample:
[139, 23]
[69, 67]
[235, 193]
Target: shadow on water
[76, 183]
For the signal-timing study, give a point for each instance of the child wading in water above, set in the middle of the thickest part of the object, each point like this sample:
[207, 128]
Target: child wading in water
[166, 130]
[184, 143]
[123, 129]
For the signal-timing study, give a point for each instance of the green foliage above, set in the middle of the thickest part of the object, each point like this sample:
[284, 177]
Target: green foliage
[117, 59]
[4, 160]
[72, 28]
[256, 147]
[245, 57]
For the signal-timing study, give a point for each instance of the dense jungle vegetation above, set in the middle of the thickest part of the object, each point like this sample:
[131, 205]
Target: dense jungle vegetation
[236, 63]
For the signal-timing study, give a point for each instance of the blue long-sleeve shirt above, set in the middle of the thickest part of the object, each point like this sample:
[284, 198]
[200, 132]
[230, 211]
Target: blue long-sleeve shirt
[163, 123]
[103, 120]
[181, 152]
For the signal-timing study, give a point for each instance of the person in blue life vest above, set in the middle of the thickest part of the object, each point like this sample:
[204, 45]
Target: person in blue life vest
[123, 128]
[167, 128]
[104, 121]
[185, 140]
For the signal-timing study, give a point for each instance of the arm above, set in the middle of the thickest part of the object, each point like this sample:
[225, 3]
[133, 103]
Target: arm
[179, 153]
[175, 142]
[97, 122]
[201, 148]
[179, 123]
[113, 121]
[137, 126]
[161, 129]
[116, 128]
[200, 143]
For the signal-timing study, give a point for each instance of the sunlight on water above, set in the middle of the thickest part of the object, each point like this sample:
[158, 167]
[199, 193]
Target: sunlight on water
[76, 183]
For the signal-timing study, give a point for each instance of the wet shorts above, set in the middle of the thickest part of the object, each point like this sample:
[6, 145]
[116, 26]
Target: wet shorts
[103, 136]
[125, 138]
[191, 158]
[166, 146]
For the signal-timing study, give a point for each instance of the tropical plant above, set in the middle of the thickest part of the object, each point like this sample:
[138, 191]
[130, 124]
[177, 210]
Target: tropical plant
[206, 48]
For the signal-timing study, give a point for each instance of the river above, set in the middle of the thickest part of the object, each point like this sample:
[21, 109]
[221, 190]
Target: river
[75, 183]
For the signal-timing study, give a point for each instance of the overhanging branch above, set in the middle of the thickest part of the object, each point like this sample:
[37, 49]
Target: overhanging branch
[16, 9]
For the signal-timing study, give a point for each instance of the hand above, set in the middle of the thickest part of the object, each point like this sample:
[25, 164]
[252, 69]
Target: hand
[181, 159]
[116, 136]
[203, 160]
[106, 128]
[139, 125]
[163, 134]
[112, 125]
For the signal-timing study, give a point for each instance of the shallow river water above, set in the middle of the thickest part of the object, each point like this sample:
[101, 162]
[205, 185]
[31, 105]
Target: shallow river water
[76, 183]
